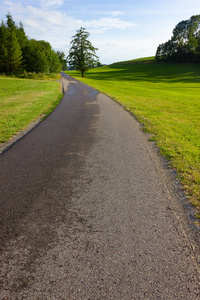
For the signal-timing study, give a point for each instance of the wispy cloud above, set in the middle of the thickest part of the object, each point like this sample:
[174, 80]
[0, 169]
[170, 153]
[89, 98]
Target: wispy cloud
[120, 31]
[52, 20]
[104, 24]
[115, 13]
[45, 21]
[111, 13]
[51, 3]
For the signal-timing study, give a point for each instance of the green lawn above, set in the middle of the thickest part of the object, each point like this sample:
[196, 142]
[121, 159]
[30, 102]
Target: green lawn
[165, 97]
[22, 101]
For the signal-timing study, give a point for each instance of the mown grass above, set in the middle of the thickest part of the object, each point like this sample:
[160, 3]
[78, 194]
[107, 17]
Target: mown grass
[22, 101]
[165, 97]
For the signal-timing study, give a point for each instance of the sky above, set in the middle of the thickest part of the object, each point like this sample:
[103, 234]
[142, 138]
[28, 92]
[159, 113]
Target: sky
[121, 30]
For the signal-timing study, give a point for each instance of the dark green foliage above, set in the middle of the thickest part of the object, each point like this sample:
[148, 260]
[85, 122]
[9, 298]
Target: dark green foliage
[34, 58]
[14, 53]
[184, 45]
[82, 55]
[63, 62]
[10, 50]
[40, 57]
[19, 54]
[54, 62]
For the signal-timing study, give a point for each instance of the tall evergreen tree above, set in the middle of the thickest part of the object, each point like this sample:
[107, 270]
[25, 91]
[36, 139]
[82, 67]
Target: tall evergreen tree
[82, 54]
[10, 22]
[10, 50]
[14, 52]
[3, 48]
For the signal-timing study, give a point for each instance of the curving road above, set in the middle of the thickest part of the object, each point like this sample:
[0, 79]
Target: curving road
[89, 210]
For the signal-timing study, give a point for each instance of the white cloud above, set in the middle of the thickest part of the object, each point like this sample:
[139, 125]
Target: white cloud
[104, 24]
[38, 17]
[112, 27]
[48, 17]
[55, 26]
[51, 3]
[14, 8]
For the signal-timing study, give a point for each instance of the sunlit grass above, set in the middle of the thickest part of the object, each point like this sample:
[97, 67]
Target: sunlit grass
[22, 101]
[166, 99]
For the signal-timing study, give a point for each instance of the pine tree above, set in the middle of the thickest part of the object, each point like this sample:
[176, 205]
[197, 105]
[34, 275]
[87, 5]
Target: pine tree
[82, 54]
[15, 53]
[10, 50]
[3, 48]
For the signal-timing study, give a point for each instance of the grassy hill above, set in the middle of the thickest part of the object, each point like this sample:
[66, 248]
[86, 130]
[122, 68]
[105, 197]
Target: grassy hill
[165, 97]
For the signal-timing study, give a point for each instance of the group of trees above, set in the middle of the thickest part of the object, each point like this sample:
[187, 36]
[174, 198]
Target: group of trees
[18, 53]
[184, 46]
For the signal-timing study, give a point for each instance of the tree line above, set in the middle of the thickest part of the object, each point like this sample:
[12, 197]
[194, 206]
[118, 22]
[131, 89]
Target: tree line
[18, 53]
[184, 45]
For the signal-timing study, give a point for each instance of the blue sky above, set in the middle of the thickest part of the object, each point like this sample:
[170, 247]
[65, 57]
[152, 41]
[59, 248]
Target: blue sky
[121, 30]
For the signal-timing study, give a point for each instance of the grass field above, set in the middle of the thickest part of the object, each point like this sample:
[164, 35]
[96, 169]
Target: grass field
[165, 97]
[22, 101]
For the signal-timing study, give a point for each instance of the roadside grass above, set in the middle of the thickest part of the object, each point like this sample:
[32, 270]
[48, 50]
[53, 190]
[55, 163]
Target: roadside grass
[165, 97]
[44, 76]
[22, 101]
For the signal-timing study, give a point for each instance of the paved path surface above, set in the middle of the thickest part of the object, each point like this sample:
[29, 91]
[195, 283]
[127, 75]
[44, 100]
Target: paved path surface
[88, 210]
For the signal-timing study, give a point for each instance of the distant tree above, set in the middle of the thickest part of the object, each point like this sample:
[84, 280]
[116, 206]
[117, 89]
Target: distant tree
[63, 62]
[165, 51]
[82, 54]
[54, 62]
[184, 45]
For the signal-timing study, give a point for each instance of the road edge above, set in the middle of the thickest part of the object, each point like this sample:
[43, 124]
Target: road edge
[5, 146]
[17, 137]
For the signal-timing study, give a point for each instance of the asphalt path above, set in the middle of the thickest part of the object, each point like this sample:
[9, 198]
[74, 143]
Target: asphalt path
[89, 210]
